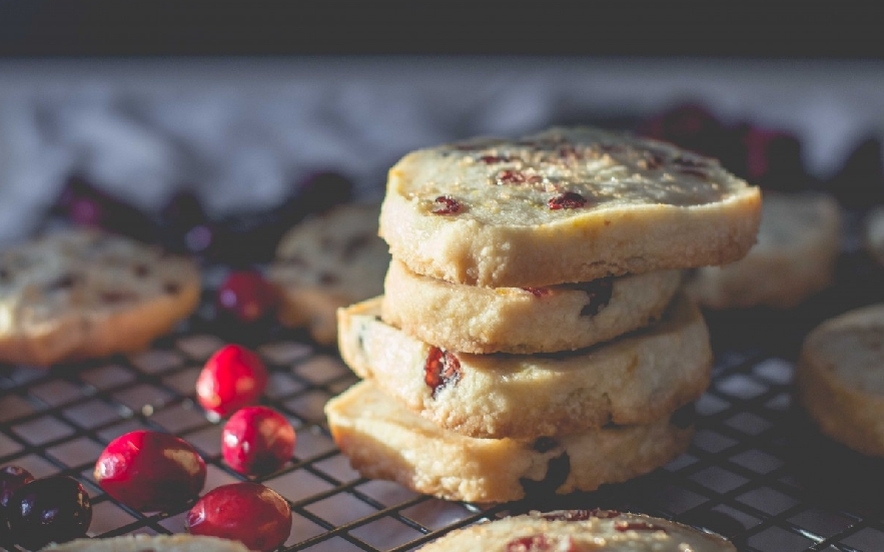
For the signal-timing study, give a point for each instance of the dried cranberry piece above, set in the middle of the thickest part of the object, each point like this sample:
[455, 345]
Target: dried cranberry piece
[567, 200]
[441, 370]
[538, 292]
[446, 205]
[494, 159]
[540, 543]
[511, 177]
[624, 526]
[599, 293]
[557, 471]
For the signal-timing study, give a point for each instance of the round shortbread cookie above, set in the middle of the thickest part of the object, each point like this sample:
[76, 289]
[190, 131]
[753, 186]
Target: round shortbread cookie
[564, 205]
[635, 379]
[385, 440]
[81, 294]
[326, 262]
[798, 244]
[523, 320]
[840, 378]
[579, 530]
[151, 543]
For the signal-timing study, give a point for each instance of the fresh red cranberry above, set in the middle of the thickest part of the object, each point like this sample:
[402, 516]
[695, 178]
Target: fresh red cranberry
[251, 513]
[49, 509]
[446, 205]
[441, 369]
[150, 470]
[257, 440]
[11, 479]
[567, 200]
[232, 378]
[246, 295]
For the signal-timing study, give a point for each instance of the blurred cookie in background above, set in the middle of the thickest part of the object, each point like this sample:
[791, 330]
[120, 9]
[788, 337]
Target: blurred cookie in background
[329, 261]
[798, 245]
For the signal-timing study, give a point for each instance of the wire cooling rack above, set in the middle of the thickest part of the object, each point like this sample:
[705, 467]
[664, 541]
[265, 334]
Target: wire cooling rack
[756, 472]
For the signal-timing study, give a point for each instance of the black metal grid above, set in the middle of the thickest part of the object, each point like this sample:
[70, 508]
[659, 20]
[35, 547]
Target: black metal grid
[756, 471]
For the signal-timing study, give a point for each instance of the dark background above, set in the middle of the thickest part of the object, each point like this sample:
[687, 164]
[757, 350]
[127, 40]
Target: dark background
[646, 28]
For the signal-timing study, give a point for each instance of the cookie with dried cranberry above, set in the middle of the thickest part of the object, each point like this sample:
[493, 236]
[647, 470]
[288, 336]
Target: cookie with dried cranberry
[385, 440]
[576, 530]
[81, 294]
[150, 543]
[637, 378]
[840, 378]
[326, 262]
[798, 245]
[564, 205]
[565, 317]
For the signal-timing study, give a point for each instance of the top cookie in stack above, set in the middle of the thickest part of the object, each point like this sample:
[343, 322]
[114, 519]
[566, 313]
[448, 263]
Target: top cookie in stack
[529, 335]
[564, 205]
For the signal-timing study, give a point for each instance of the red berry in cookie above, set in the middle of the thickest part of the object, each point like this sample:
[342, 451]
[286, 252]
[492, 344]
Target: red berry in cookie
[49, 509]
[441, 369]
[257, 440]
[232, 378]
[567, 200]
[246, 295]
[251, 513]
[150, 470]
[446, 205]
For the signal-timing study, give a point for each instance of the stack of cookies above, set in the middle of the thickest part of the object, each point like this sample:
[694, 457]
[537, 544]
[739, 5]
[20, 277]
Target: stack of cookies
[531, 337]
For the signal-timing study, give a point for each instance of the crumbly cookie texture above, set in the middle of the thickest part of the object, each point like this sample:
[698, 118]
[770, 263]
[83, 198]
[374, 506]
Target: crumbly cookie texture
[476, 319]
[635, 379]
[385, 440]
[326, 262]
[579, 530]
[840, 378]
[151, 543]
[564, 205]
[798, 245]
[81, 294]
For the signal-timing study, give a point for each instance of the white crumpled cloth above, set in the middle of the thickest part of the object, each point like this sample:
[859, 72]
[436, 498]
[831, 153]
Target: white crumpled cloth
[241, 132]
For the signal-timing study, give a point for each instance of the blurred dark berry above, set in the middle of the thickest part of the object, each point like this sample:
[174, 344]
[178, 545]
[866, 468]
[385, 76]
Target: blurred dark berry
[185, 226]
[859, 183]
[773, 159]
[245, 239]
[321, 191]
[246, 296]
[84, 204]
[688, 125]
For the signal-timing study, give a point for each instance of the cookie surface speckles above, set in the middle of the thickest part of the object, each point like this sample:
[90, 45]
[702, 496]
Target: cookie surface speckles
[634, 379]
[564, 205]
[384, 440]
[579, 530]
[81, 294]
[523, 320]
[326, 262]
